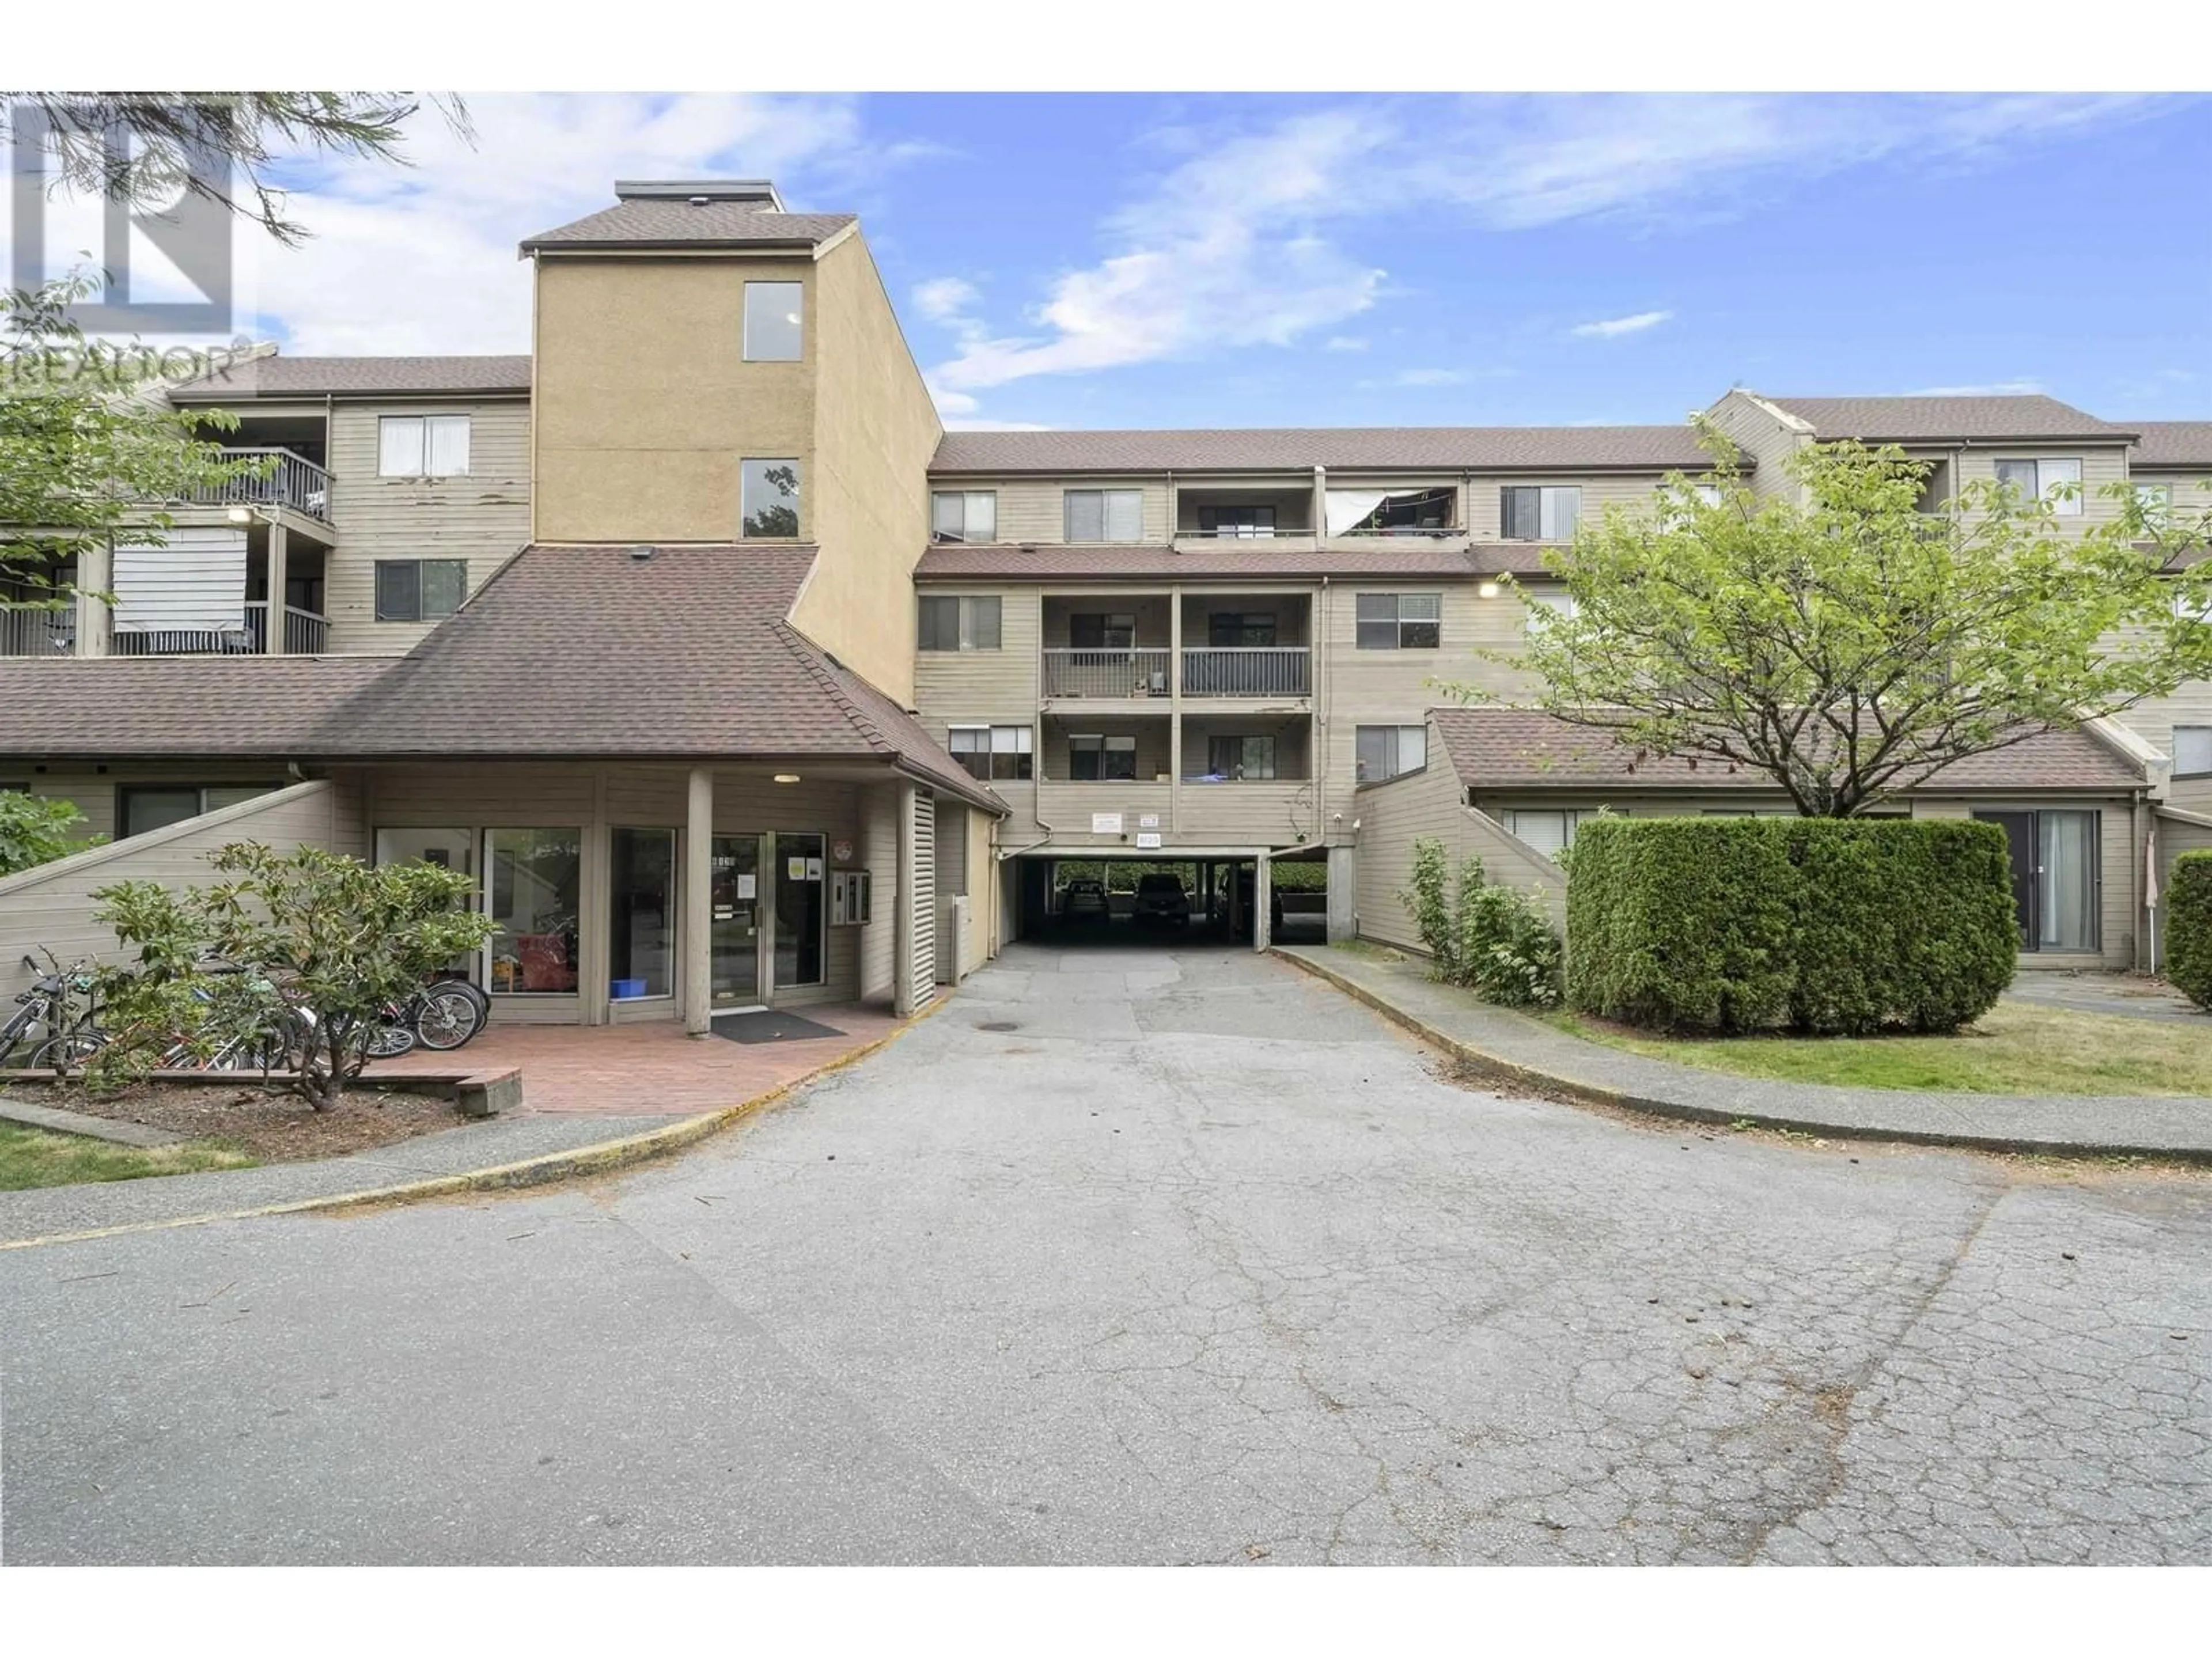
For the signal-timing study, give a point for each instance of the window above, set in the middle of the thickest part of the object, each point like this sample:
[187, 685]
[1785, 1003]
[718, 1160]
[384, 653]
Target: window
[1546, 603]
[999, 752]
[140, 809]
[531, 884]
[640, 912]
[423, 445]
[419, 590]
[1388, 512]
[1398, 622]
[449, 849]
[1105, 515]
[1095, 759]
[769, 501]
[1675, 505]
[964, 515]
[1237, 759]
[2193, 750]
[2045, 480]
[773, 312]
[1091, 630]
[1241, 523]
[1550, 830]
[1386, 751]
[2055, 876]
[1235, 628]
[1541, 513]
[968, 623]
[2156, 502]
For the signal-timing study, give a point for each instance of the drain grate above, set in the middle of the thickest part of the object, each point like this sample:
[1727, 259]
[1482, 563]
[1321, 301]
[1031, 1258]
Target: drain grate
[998, 1025]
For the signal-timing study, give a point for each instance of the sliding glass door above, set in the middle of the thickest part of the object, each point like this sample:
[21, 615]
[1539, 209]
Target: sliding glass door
[2055, 876]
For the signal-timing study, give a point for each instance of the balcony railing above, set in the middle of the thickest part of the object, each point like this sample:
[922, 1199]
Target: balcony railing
[38, 633]
[305, 634]
[1122, 671]
[292, 482]
[1248, 670]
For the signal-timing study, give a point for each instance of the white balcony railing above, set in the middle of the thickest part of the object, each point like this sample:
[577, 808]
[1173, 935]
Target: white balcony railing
[1248, 670]
[1123, 671]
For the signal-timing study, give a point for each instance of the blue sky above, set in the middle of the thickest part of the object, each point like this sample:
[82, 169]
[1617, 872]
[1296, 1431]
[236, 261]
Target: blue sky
[1106, 260]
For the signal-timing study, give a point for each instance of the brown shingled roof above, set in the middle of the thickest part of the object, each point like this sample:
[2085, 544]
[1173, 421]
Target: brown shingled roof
[649, 224]
[1913, 420]
[135, 707]
[1404, 448]
[2173, 443]
[1408, 556]
[1521, 749]
[276, 376]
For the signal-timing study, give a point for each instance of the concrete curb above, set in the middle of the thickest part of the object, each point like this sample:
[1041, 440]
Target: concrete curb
[1497, 1069]
[597, 1158]
[57, 1120]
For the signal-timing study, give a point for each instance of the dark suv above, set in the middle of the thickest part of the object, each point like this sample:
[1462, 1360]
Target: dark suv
[1161, 898]
[1084, 900]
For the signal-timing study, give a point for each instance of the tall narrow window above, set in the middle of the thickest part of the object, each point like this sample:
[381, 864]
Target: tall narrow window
[1105, 515]
[2066, 881]
[423, 445]
[1541, 513]
[964, 515]
[770, 503]
[532, 880]
[774, 316]
[640, 912]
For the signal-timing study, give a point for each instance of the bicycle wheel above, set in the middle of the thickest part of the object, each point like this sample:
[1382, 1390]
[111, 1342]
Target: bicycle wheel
[444, 1019]
[70, 1051]
[462, 987]
[389, 1042]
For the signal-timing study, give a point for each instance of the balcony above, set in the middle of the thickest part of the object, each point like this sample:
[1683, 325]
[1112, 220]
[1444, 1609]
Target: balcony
[1117, 671]
[1432, 511]
[291, 480]
[1248, 670]
[305, 634]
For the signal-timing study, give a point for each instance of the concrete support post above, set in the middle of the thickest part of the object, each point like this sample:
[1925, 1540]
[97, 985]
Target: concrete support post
[1343, 894]
[272, 641]
[698, 903]
[1174, 713]
[1263, 907]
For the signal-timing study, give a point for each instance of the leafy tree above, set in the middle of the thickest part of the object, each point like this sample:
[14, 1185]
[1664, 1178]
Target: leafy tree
[36, 830]
[1854, 645]
[88, 455]
[138, 147]
[331, 942]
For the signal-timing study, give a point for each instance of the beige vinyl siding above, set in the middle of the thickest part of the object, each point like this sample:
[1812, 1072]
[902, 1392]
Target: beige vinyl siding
[1291, 612]
[1429, 804]
[982, 890]
[1068, 807]
[982, 687]
[52, 908]
[2101, 468]
[2190, 488]
[1034, 509]
[1279, 813]
[483, 517]
[1151, 611]
[2154, 720]
[1485, 508]
[1767, 442]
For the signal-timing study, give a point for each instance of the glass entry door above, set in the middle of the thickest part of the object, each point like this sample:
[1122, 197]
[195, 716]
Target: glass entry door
[734, 919]
[801, 910]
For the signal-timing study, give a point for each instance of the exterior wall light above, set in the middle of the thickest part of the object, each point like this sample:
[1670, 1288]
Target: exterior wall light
[1488, 590]
[786, 777]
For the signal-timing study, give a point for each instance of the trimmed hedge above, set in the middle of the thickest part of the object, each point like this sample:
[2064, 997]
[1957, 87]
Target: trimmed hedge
[1829, 925]
[2188, 900]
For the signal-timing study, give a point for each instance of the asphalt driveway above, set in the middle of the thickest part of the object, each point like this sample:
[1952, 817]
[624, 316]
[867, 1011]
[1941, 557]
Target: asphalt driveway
[1154, 1255]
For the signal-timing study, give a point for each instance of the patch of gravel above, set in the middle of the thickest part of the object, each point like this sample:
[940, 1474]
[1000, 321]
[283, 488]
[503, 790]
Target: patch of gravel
[269, 1125]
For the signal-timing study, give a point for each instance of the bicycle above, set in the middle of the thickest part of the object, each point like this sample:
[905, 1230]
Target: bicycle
[58, 1006]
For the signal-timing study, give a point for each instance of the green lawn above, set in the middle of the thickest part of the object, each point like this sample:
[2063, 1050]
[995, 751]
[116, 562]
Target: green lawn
[2014, 1050]
[34, 1157]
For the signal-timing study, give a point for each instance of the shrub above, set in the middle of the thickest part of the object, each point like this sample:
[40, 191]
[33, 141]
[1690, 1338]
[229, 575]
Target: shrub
[1819, 925]
[1494, 940]
[2189, 927]
[36, 830]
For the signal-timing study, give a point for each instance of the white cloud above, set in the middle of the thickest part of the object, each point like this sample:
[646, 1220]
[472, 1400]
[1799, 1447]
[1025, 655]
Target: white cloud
[422, 258]
[1985, 389]
[1344, 343]
[1429, 377]
[1608, 328]
[1238, 245]
[944, 299]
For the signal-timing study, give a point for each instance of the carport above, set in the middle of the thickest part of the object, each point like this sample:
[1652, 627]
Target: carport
[1232, 891]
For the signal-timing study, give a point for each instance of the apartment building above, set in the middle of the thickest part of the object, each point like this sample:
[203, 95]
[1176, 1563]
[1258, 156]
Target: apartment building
[737, 680]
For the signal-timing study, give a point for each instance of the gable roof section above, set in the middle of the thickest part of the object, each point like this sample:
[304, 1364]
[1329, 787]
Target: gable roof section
[593, 652]
[138, 708]
[276, 376]
[1409, 448]
[2173, 443]
[651, 223]
[1929, 420]
[1521, 749]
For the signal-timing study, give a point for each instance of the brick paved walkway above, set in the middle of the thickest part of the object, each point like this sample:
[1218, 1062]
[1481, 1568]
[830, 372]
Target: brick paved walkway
[626, 1070]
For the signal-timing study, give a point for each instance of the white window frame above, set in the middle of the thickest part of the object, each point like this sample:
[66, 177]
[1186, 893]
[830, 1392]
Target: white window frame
[1554, 503]
[966, 608]
[2158, 517]
[2200, 741]
[2050, 471]
[990, 742]
[1432, 602]
[759, 291]
[407, 446]
[1394, 761]
[1571, 819]
[968, 530]
[1120, 516]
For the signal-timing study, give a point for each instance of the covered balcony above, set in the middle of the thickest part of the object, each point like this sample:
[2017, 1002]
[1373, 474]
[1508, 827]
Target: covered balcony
[1255, 646]
[1110, 647]
[1262, 513]
[1395, 509]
